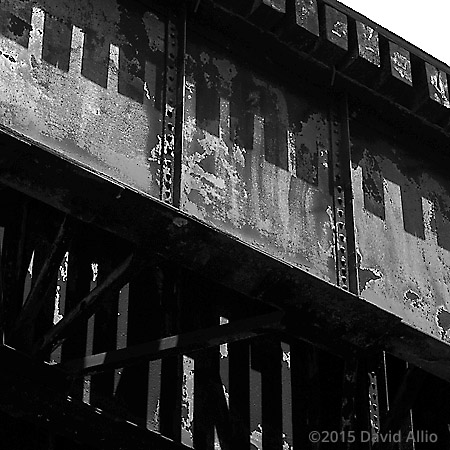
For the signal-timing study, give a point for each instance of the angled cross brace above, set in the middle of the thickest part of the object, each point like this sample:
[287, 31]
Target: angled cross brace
[172, 345]
[85, 308]
[22, 332]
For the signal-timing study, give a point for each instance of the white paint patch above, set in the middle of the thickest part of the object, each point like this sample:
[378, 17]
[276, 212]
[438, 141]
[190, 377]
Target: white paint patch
[147, 92]
[57, 316]
[224, 120]
[76, 51]
[226, 395]
[402, 65]
[36, 39]
[440, 84]
[339, 29]
[30, 266]
[94, 268]
[113, 68]
[292, 154]
[428, 219]
[64, 268]
[187, 419]
[256, 437]
[60, 286]
[224, 347]
[287, 358]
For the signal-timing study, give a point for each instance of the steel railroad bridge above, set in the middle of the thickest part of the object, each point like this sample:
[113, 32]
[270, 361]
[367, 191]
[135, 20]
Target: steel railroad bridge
[223, 224]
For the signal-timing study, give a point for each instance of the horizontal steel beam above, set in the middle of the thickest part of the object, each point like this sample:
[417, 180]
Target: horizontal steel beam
[172, 345]
[315, 310]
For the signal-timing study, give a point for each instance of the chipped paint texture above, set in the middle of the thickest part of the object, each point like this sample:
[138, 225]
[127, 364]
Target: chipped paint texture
[400, 63]
[255, 162]
[187, 406]
[60, 287]
[336, 27]
[74, 86]
[437, 85]
[307, 15]
[368, 47]
[339, 29]
[403, 242]
[256, 438]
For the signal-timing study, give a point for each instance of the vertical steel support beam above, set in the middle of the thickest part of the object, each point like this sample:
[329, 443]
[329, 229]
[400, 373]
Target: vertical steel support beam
[349, 402]
[374, 405]
[168, 147]
[357, 383]
[172, 367]
[173, 108]
[239, 393]
[179, 118]
[342, 198]
[78, 286]
[104, 335]
[143, 321]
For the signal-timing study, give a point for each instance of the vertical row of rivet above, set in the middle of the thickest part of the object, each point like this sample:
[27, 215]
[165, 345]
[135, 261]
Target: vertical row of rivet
[170, 102]
[339, 201]
[374, 407]
[346, 240]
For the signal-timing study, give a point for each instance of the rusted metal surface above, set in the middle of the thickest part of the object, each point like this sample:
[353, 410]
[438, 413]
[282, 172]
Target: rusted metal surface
[368, 43]
[400, 63]
[85, 79]
[275, 419]
[437, 85]
[402, 219]
[255, 161]
[336, 27]
[266, 220]
[170, 104]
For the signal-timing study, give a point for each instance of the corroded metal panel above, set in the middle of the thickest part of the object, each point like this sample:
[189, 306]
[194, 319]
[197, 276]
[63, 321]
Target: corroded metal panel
[255, 161]
[85, 78]
[402, 219]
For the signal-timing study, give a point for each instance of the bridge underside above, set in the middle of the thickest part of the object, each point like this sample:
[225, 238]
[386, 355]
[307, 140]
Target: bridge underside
[136, 313]
[126, 298]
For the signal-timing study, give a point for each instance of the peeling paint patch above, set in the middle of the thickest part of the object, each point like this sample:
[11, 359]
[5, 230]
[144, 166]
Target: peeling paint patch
[287, 358]
[57, 316]
[411, 297]
[443, 321]
[366, 275]
[62, 278]
[339, 29]
[51, 93]
[368, 44]
[439, 87]
[30, 266]
[94, 268]
[256, 438]
[270, 189]
[64, 268]
[224, 347]
[227, 72]
[401, 65]
[187, 406]
[407, 244]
